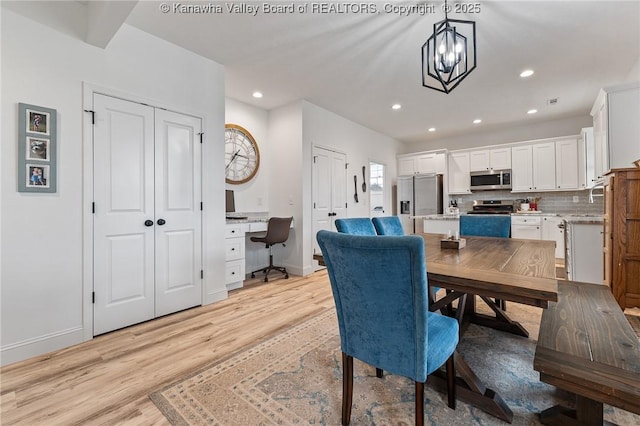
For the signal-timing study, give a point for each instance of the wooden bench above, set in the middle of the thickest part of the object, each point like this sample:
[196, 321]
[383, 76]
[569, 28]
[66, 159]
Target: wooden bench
[586, 346]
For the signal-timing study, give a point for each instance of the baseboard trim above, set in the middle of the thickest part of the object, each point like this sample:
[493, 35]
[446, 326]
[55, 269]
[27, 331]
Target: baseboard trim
[40, 345]
[216, 296]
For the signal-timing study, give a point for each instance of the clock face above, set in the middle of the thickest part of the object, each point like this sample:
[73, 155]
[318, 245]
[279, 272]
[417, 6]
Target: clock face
[242, 157]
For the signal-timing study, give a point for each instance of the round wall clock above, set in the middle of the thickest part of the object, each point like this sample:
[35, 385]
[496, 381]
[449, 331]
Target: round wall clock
[242, 157]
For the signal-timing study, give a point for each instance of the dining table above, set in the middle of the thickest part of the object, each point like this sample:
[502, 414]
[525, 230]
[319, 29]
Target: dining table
[495, 270]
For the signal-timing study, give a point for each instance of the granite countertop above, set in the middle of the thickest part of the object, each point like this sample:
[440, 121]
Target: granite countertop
[568, 216]
[248, 217]
[437, 216]
[584, 219]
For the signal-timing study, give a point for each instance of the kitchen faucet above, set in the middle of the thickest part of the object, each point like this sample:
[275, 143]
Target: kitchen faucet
[591, 194]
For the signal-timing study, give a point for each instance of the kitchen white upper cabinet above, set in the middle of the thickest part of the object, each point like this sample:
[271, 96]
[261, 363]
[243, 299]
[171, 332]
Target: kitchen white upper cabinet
[501, 158]
[522, 168]
[459, 173]
[479, 160]
[586, 162]
[424, 163]
[488, 159]
[616, 127]
[567, 163]
[431, 163]
[600, 149]
[544, 166]
[548, 166]
[552, 232]
[406, 166]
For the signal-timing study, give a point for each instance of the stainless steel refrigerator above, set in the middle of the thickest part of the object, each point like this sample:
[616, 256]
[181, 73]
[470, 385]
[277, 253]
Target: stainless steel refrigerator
[419, 195]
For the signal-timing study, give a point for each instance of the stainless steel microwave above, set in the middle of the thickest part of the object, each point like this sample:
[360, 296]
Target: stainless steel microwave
[491, 179]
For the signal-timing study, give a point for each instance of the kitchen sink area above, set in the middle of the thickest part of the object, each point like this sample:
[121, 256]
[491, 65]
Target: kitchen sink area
[568, 218]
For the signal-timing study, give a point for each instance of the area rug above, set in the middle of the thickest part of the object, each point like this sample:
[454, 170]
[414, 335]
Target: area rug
[295, 378]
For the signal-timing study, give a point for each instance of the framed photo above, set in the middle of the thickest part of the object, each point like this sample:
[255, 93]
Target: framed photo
[37, 121]
[37, 149]
[37, 153]
[37, 176]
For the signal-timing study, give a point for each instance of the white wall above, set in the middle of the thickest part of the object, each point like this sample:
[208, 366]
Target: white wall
[252, 197]
[326, 129]
[287, 183]
[634, 73]
[543, 130]
[45, 302]
[286, 175]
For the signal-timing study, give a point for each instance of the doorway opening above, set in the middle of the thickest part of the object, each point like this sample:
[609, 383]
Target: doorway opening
[377, 189]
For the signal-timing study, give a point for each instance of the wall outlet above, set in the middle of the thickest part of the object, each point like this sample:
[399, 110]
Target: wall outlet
[576, 199]
[459, 200]
[259, 201]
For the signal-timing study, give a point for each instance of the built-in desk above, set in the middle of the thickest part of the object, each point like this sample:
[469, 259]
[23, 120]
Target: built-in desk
[243, 256]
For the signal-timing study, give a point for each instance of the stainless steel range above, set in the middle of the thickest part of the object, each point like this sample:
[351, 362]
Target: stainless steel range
[492, 207]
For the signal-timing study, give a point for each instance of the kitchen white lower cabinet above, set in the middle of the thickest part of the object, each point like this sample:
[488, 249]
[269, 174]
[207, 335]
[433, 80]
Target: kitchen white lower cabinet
[553, 230]
[584, 252]
[526, 227]
[441, 226]
[234, 255]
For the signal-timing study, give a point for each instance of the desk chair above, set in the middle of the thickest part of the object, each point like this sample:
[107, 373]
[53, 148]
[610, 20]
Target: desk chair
[487, 226]
[380, 291]
[356, 226]
[277, 233]
[388, 225]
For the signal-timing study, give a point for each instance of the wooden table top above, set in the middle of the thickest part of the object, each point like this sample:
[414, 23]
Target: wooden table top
[506, 268]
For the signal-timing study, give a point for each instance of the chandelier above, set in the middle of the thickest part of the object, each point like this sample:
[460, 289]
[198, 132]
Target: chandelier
[449, 55]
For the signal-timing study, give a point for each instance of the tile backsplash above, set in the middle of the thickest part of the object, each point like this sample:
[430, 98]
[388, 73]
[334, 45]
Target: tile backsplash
[551, 202]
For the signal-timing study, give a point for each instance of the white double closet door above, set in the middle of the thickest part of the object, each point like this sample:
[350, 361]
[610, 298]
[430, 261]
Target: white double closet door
[147, 257]
[329, 190]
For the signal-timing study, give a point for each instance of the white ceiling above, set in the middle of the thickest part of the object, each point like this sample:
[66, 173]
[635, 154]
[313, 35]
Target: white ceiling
[359, 64]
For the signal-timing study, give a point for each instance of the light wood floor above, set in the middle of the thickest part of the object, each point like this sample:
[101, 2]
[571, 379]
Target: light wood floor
[107, 381]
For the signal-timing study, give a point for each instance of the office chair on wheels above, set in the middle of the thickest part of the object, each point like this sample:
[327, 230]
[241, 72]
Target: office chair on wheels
[277, 233]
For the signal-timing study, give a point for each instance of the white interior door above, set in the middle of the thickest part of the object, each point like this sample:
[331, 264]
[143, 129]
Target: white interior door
[338, 185]
[329, 190]
[177, 211]
[147, 221]
[123, 196]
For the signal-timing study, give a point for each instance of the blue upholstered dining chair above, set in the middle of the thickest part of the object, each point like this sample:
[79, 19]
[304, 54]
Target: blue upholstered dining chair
[388, 225]
[485, 225]
[380, 291]
[356, 226]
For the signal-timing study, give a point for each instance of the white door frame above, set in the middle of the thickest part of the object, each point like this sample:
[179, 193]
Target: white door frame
[313, 185]
[385, 190]
[88, 89]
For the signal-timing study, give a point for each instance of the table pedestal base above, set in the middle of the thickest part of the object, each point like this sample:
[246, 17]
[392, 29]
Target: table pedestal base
[470, 389]
[587, 412]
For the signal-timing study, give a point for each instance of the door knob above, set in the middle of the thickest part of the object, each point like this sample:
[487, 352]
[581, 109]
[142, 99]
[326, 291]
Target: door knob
[161, 222]
[148, 222]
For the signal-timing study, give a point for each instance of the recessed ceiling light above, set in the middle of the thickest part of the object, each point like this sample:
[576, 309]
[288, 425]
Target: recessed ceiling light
[532, 111]
[257, 95]
[477, 121]
[526, 73]
[432, 129]
[396, 106]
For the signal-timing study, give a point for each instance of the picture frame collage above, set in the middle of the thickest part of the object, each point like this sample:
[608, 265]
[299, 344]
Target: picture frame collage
[37, 153]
